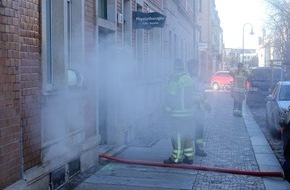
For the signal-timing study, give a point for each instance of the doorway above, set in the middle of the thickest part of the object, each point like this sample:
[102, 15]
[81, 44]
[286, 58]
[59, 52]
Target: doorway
[106, 46]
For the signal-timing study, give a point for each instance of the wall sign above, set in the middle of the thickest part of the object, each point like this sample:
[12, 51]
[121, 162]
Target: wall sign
[148, 20]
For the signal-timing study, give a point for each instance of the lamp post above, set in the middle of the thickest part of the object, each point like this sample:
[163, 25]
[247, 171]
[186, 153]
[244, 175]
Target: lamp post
[252, 33]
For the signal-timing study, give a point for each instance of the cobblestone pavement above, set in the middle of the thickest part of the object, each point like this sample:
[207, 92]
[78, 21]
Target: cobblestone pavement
[232, 150]
[227, 143]
[259, 114]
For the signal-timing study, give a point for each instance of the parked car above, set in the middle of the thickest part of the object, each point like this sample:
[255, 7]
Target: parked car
[261, 83]
[277, 105]
[220, 79]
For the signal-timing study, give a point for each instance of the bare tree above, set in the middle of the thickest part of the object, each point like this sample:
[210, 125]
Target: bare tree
[278, 23]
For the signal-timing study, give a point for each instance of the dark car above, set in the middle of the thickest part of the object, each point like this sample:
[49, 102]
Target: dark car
[261, 82]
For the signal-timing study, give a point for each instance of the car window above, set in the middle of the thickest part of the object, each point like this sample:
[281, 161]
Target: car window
[275, 91]
[284, 93]
[221, 74]
[260, 74]
[265, 74]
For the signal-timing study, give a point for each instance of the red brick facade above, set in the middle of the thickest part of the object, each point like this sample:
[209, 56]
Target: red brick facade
[19, 89]
[30, 72]
[22, 89]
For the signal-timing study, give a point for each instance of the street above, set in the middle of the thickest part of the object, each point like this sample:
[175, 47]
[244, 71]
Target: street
[231, 143]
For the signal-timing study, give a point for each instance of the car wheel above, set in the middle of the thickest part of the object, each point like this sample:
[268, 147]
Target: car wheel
[275, 132]
[215, 86]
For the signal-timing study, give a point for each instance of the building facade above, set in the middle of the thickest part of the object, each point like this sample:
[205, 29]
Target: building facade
[210, 38]
[76, 76]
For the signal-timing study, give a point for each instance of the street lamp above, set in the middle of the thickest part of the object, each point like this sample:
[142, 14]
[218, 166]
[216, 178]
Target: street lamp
[252, 33]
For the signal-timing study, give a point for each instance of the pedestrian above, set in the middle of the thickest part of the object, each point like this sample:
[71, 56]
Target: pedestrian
[180, 106]
[199, 91]
[240, 76]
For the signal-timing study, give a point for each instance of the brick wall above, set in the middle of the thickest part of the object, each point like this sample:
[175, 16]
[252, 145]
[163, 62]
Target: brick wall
[19, 88]
[90, 20]
[30, 81]
[10, 165]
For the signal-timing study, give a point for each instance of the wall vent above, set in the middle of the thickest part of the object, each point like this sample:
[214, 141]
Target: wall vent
[57, 178]
[74, 167]
[61, 176]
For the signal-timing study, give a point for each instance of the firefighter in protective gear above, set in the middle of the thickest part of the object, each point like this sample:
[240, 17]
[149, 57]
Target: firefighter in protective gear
[180, 106]
[238, 89]
[199, 91]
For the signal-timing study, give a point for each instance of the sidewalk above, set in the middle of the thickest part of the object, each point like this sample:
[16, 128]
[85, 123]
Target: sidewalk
[231, 143]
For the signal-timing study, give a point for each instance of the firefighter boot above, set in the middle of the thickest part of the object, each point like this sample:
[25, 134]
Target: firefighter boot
[199, 144]
[187, 161]
[200, 152]
[170, 161]
[236, 113]
[286, 170]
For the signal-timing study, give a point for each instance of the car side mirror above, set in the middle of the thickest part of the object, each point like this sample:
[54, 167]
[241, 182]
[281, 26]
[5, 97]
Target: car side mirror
[269, 98]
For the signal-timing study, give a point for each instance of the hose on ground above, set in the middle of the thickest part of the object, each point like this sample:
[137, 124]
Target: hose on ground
[186, 166]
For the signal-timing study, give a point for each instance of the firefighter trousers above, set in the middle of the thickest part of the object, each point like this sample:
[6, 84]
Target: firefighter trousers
[182, 138]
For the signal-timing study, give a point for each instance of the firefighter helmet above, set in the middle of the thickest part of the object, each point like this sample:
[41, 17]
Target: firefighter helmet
[178, 64]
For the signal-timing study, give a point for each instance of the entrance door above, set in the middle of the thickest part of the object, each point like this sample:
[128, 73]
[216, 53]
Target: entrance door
[106, 45]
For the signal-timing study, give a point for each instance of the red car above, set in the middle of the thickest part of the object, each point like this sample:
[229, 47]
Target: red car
[220, 79]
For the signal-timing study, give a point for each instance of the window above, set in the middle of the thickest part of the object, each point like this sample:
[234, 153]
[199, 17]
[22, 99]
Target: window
[284, 93]
[47, 54]
[199, 6]
[175, 46]
[60, 27]
[102, 9]
[140, 49]
[69, 31]
[170, 45]
[63, 22]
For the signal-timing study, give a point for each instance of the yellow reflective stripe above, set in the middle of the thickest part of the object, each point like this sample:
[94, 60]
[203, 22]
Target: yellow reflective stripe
[183, 113]
[177, 153]
[189, 152]
[199, 141]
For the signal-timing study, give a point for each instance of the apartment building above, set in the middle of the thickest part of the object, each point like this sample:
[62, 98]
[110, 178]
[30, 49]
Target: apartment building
[76, 75]
[210, 38]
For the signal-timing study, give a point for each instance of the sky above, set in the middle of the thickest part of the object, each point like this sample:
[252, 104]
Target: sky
[234, 14]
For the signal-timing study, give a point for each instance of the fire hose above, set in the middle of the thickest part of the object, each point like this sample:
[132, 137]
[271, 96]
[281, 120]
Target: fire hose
[186, 166]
